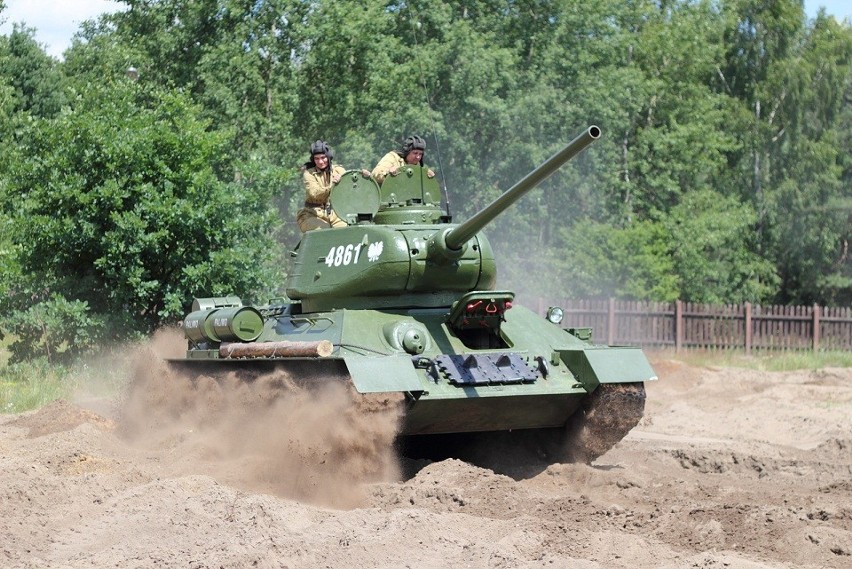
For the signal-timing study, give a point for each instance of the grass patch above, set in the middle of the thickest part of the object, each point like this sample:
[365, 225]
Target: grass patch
[759, 360]
[30, 385]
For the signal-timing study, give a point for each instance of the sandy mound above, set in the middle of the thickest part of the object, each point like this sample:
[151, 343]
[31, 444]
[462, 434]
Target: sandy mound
[728, 469]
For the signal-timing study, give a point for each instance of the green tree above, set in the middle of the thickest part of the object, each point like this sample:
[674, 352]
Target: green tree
[742, 100]
[169, 36]
[33, 76]
[809, 200]
[122, 204]
[793, 81]
[709, 237]
[239, 68]
[604, 261]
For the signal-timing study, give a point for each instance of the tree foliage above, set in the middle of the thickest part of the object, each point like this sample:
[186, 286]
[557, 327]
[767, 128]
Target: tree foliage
[120, 205]
[723, 175]
[33, 77]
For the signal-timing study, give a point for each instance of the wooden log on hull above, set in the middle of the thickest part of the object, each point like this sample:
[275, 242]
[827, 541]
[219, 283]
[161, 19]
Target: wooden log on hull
[284, 349]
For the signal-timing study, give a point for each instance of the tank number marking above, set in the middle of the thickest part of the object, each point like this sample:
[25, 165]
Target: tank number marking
[344, 255]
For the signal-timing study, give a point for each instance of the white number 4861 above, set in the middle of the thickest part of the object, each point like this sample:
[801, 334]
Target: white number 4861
[343, 255]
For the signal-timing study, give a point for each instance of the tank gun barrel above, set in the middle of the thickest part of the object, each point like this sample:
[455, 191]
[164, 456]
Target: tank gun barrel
[458, 236]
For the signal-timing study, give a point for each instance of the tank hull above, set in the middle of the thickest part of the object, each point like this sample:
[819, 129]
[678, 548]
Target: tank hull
[547, 375]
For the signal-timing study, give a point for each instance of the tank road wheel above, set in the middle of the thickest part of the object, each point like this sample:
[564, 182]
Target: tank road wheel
[603, 419]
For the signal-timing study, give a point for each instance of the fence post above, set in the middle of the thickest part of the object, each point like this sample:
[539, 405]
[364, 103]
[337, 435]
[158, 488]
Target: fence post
[678, 325]
[816, 327]
[610, 333]
[748, 328]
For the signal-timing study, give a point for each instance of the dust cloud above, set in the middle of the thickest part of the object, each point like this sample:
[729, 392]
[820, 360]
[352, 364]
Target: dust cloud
[318, 444]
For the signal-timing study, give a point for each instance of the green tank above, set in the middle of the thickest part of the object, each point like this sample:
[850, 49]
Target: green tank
[403, 302]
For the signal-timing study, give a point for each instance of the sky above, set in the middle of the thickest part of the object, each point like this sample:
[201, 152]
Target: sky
[57, 20]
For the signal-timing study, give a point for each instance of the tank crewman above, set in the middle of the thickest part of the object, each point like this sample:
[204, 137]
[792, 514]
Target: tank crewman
[411, 152]
[319, 176]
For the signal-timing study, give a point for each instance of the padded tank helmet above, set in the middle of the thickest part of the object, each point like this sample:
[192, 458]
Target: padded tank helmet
[320, 147]
[413, 142]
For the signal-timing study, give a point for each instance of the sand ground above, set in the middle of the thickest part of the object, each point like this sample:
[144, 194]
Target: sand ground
[729, 468]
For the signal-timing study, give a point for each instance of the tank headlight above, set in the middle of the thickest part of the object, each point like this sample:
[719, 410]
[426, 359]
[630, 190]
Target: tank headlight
[555, 314]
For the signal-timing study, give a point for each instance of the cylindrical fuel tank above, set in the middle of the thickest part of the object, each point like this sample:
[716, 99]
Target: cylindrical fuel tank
[238, 324]
[234, 324]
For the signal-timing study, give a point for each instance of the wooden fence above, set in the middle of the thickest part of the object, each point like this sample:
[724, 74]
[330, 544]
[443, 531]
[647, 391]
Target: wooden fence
[682, 325]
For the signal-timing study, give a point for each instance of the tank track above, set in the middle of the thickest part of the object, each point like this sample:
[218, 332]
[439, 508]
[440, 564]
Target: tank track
[604, 418]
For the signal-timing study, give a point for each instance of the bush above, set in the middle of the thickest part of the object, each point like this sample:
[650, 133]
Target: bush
[55, 329]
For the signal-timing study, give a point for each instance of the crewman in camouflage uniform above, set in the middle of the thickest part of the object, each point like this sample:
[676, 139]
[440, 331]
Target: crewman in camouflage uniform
[319, 177]
[412, 151]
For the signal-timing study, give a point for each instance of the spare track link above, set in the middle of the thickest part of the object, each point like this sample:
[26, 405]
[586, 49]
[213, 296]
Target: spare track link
[605, 418]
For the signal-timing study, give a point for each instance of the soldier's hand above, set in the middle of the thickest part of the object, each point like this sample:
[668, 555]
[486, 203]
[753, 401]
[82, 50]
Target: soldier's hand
[393, 171]
[430, 173]
[366, 173]
[335, 178]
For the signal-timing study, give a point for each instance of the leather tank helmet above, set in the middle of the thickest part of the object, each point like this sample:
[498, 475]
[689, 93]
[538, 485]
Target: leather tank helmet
[413, 142]
[320, 147]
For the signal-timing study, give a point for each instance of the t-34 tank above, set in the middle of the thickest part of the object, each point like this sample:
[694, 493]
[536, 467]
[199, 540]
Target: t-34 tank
[403, 302]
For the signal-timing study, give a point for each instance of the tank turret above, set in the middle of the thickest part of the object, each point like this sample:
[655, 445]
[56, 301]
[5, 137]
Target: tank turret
[400, 249]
